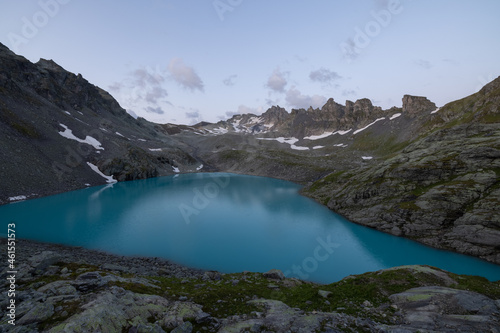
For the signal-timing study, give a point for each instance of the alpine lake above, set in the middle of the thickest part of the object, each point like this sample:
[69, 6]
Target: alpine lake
[224, 222]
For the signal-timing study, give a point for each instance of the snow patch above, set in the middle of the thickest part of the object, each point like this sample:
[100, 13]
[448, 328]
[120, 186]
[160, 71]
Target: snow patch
[80, 112]
[17, 198]
[109, 179]
[394, 116]
[141, 140]
[326, 134]
[200, 167]
[254, 120]
[435, 110]
[81, 121]
[298, 147]
[155, 149]
[217, 131]
[343, 132]
[88, 139]
[366, 157]
[119, 134]
[290, 141]
[362, 129]
[176, 169]
[318, 147]
[340, 145]
[67, 112]
[317, 137]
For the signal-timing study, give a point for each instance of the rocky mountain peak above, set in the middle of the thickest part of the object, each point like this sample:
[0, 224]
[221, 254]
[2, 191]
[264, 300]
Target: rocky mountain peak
[414, 105]
[334, 108]
[50, 65]
[275, 115]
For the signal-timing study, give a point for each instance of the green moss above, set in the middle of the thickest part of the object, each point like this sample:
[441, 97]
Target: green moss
[331, 178]
[137, 287]
[478, 284]
[69, 309]
[490, 118]
[381, 145]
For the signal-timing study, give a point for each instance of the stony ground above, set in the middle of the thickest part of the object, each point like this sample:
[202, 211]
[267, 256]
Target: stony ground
[66, 289]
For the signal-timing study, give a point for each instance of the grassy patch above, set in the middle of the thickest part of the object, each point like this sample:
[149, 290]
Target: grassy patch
[69, 308]
[237, 155]
[477, 284]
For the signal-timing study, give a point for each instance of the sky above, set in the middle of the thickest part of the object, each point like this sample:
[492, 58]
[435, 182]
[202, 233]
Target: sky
[185, 61]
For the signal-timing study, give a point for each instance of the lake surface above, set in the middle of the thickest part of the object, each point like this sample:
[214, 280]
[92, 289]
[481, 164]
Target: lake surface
[224, 222]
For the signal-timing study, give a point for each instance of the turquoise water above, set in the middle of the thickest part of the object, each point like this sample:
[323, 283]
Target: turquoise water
[224, 222]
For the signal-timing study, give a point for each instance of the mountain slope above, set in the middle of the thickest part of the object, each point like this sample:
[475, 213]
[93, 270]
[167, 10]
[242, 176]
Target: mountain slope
[53, 123]
[442, 189]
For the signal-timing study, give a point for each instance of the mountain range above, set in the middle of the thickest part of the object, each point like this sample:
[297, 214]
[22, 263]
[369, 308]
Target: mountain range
[419, 171]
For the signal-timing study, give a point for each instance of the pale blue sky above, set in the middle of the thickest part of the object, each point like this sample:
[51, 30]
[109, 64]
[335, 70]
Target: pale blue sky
[183, 61]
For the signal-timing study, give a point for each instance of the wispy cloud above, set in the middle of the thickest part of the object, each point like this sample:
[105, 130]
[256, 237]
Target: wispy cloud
[243, 109]
[277, 81]
[143, 86]
[157, 110]
[425, 64]
[145, 77]
[297, 100]
[324, 75]
[185, 75]
[230, 80]
[193, 115]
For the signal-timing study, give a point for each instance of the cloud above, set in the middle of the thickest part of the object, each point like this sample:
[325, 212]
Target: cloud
[115, 87]
[277, 81]
[349, 92]
[230, 114]
[297, 100]
[184, 75]
[229, 81]
[155, 94]
[145, 77]
[243, 109]
[142, 85]
[156, 110]
[423, 63]
[349, 50]
[324, 75]
[193, 114]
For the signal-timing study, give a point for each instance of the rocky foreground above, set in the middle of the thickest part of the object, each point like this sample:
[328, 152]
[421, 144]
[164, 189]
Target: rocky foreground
[66, 289]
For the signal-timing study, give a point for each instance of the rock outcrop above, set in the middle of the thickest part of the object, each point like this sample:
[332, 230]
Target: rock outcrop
[79, 290]
[415, 105]
[440, 189]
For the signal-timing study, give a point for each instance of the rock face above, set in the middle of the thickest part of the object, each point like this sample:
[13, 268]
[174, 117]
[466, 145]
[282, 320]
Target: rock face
[415, 105]
[301, 122]
[441, 188]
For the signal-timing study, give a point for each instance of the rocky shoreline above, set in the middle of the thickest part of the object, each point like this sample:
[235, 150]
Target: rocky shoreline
[68, 289]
